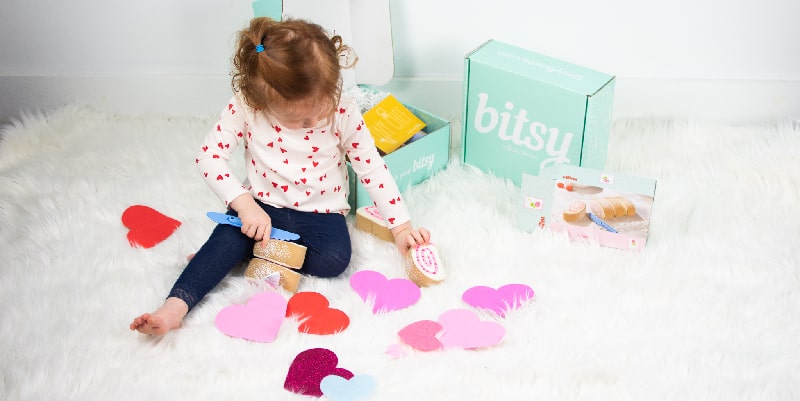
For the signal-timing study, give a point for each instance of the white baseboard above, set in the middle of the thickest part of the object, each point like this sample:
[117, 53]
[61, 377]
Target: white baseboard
[728, 101]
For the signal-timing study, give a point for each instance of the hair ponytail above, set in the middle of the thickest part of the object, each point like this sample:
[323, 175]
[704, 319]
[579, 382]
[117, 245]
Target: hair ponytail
[277, 63]
[347, 56]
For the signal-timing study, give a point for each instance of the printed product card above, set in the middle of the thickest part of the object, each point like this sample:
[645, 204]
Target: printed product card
[525, 111]
[612, 209]
[391, 124]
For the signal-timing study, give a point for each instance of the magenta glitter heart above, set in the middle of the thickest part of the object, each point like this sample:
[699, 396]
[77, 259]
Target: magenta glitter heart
[309, 368]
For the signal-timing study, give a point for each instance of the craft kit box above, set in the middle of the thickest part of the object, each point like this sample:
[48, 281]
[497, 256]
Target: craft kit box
[366, 26]
[612, 209]
[525, 111]
[413, 163]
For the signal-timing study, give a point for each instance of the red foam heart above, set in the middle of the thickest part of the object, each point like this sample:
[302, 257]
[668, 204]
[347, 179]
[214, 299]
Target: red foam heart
[147, 227]
[318, 318]
[309, 368]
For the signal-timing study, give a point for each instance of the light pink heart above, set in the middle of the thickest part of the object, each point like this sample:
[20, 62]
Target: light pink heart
[462, 328]
[395, 351]
[257, 320]
[499, 301]
[421, 335]
[386, 295]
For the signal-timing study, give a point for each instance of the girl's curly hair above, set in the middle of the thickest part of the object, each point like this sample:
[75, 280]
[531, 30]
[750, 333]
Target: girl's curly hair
[299, 61]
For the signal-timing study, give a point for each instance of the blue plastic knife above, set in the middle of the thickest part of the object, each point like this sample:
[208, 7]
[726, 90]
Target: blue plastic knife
[601, 223]
[276, 233]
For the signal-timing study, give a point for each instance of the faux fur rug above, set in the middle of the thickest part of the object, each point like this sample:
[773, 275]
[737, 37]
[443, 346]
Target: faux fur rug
[709, 310]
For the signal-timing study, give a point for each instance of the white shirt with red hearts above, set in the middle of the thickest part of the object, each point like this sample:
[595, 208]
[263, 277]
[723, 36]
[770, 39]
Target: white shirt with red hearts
[303, 169]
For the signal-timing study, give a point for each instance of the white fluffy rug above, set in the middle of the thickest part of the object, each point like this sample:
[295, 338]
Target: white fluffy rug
[710, 310]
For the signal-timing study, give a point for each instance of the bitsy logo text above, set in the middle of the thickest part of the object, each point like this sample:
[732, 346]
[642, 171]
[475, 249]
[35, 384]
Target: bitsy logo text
[515, 126]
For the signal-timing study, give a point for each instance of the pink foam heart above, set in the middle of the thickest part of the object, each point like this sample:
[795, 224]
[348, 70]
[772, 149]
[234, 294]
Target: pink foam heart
[395, 351]
[337, 388]
[462, 328]
[309, 368]
[499, 301]
[421, 335]
[386, 295]
[257, 320]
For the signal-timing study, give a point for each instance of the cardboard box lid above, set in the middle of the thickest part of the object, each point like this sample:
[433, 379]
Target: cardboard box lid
[365, 25]
[560, 73]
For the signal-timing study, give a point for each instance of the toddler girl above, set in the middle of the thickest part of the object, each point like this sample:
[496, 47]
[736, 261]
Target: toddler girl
[296, 128]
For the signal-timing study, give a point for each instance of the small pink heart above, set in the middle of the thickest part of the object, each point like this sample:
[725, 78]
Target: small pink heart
[386, 295]
[395, 351]
[499, 301]
[421, 335]
[309, 368]
[463, 329]
[258, 320]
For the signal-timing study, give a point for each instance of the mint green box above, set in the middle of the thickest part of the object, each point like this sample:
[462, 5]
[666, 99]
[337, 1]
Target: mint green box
[412, 163]
[525, 111]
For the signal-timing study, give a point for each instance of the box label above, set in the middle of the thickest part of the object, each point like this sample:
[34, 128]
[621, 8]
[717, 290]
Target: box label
[520, 131]
[391, 124]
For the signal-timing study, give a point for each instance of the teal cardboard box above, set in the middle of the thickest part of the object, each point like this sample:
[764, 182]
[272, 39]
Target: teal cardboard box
[525, 111]
[412, 163]
[612, 209]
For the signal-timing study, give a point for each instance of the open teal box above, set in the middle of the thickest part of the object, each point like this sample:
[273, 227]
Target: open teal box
[412, 163]
[525, 111]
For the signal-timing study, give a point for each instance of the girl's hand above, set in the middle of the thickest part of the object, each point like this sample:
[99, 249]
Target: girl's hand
[406, 237]
[256, 223]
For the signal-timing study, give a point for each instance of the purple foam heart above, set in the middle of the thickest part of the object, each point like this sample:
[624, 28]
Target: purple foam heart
[387, 295]
[309, 368]
[499, 301]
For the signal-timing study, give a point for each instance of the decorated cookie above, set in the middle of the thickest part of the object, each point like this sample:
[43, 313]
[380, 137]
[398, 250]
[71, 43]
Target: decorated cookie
[261, 270]
[284, 253]
[574, 212]
[423, 265]
[368, 219]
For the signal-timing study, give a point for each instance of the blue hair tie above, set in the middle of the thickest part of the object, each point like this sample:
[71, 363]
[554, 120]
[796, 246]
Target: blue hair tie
[259, 48]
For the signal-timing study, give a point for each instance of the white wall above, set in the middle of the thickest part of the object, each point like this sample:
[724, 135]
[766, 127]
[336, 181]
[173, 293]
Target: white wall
[736, 61]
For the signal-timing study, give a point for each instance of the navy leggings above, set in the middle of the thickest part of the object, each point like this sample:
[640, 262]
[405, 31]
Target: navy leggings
[324, 235]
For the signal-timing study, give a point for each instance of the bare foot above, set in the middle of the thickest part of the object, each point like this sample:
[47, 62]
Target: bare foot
[168, 317]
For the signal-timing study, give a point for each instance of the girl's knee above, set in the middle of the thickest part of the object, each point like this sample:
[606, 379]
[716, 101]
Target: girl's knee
[327, 264]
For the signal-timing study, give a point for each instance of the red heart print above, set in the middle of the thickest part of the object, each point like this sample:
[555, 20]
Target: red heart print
[309, 368]
[147, 227]
[312, 308]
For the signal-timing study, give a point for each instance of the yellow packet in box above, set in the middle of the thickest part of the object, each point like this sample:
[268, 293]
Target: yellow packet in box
[391, 124]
